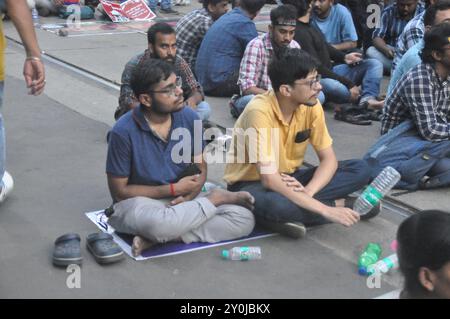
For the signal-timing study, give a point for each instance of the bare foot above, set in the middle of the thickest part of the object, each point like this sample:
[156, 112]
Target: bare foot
[374, 104]
[221, 197]
[139, 245]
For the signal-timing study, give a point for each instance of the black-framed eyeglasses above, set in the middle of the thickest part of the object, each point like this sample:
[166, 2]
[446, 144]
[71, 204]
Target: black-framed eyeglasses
[170, 90]
[311, 83]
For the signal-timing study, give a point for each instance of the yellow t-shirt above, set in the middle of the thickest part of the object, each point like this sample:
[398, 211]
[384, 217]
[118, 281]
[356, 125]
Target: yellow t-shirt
[2, 51]
[261, 127]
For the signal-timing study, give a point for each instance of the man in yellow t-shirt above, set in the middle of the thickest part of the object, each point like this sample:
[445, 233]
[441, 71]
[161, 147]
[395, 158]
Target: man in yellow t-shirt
[268, 146]
[33, 71]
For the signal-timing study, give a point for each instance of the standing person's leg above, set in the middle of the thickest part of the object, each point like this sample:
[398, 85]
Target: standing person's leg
[152, 4]
[6, 181]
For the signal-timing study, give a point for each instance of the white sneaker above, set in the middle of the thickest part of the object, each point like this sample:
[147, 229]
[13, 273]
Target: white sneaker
[7, 185]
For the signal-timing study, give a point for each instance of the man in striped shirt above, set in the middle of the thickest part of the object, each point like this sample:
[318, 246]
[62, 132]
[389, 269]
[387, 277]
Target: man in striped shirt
[423, 94]
[253, 77]
[393, 20]
[192, 28]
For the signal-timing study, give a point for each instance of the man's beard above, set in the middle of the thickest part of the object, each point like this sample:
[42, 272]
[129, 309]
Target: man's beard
[170, 60]
[278, 49]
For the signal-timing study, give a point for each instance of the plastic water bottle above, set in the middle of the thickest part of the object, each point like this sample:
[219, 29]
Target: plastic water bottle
[380, 186]
[369, 256]
[384, 265]
[35, 16]
[242, 253]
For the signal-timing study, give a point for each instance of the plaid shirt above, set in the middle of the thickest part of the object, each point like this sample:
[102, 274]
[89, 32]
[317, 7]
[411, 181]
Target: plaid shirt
[413, 33]
[253, 70]
[391, 25]
[420, 95]
[127, 98]
[190, 32]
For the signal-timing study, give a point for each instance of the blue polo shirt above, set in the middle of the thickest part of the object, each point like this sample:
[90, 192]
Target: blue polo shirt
[338, 27]
[134, 151]
[223, 47]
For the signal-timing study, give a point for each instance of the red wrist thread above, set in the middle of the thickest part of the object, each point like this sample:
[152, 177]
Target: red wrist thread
[172, 190]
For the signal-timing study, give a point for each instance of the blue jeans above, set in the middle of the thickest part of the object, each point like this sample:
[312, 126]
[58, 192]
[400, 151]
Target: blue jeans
[374, 53]
[165, 4]
[2, 135]
[203, 110]
[368, 74]
[350, 176]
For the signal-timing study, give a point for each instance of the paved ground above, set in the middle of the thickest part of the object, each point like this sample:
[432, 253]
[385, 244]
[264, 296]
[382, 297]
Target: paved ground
[56, 153]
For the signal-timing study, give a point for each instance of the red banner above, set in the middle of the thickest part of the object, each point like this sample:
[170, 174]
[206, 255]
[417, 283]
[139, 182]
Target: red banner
[136, 10]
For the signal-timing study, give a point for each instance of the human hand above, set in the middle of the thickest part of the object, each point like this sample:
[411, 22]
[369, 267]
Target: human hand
[355, 93]
[34, 74]
[389, 53]
[341, 215]
[189, 184]
[353, 58]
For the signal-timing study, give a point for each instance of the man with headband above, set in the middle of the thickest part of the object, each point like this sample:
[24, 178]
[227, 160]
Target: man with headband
[253, 78]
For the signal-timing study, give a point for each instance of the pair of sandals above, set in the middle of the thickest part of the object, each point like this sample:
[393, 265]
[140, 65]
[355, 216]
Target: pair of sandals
[101, 245]
[357, 116]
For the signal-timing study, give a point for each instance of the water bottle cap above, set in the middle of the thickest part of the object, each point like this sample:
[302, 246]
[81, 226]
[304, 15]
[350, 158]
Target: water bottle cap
[362, 271]
[225, 254]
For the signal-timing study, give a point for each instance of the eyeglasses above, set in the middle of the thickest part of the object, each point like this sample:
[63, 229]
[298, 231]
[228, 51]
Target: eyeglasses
[170, 90]
[311, 83]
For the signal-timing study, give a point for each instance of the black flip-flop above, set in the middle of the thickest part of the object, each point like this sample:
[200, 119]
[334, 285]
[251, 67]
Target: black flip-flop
[67, 250]
[103, 248]
[352, 118]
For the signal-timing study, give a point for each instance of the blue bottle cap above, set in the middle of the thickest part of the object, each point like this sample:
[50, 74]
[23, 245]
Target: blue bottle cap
[362, 271]
[225, 254]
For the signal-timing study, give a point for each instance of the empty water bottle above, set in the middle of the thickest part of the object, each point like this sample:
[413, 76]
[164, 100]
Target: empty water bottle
[380, 186]
[35, 16]
[369, 256]
[242, 253]
[384, 265]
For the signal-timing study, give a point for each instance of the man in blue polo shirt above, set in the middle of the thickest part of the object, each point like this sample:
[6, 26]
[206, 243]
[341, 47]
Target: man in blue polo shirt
[155, 170]
[336, 23]
[222, 49]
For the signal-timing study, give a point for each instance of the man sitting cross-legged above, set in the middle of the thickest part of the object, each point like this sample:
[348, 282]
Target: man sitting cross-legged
[269, 143]
[145, 170]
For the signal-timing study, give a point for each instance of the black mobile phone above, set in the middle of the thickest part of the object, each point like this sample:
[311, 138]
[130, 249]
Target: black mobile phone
[191, 170]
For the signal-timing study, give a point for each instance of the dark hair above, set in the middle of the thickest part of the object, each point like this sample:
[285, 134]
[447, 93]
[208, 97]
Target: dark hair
[252, 6]
[430, 14]
[283, 12]
[148, 73]
[213, 2]
[423, 241]
[301, 6]
[435, 40]
[290, 65]
[160, 27]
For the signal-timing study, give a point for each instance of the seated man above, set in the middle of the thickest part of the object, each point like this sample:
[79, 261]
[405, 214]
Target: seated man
[145, 170]
[393, 20]
[253, 78]
[192, 28]
[411, 34]
[339, 81]
[336, 23]
[415, 124]
[269, 142]
[422, 94]
[434, 15]
[223, 46]
[162, 45]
